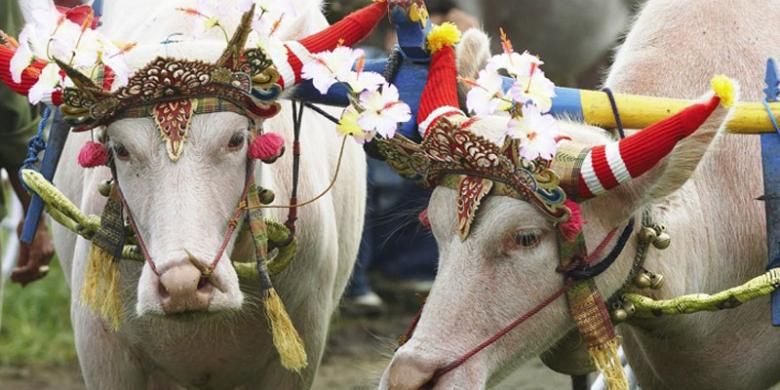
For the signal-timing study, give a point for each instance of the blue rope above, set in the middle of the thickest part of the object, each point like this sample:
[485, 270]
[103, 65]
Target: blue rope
[37, 144]
[771, 116]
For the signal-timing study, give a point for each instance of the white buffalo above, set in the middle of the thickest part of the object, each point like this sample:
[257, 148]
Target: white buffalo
[184, 207]
[704, 192]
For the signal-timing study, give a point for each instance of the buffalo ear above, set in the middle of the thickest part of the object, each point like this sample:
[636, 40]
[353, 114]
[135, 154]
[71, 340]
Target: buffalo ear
[473, 53]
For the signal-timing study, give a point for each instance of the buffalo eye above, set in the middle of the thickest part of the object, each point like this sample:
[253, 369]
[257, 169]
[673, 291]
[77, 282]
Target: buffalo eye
[524, 239]
[236, 141]
[120, 151]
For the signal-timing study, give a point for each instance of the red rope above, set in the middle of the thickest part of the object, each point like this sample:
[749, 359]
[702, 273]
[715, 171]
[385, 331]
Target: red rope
[410, 330]
[457, 363]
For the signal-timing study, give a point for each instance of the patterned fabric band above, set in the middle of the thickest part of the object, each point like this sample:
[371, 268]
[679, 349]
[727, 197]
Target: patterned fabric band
[206, 105]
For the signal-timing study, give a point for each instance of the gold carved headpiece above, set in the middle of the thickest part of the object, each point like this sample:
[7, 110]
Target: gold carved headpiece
[452, 155]
[172, 90]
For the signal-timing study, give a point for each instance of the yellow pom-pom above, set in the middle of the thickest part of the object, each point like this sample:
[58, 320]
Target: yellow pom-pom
[442, 36]
[724, 89]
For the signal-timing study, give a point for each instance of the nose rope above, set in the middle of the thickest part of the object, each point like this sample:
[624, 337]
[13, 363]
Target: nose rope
[536, 309]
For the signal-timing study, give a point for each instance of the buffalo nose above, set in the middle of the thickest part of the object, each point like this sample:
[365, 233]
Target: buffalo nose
[183, 288]
[409, 373]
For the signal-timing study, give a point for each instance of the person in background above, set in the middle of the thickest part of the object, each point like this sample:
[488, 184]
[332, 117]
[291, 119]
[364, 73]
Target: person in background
[394, 242]
[18, 122]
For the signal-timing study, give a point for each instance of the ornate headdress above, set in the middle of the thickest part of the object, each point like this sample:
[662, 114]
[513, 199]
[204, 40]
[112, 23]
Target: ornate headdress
[171, 90]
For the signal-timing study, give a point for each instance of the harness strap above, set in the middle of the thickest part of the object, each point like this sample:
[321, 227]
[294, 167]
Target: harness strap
[292, 215]
[585, 270]
[231, 225]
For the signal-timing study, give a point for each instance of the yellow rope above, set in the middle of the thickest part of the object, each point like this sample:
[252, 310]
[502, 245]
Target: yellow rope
[728, 299]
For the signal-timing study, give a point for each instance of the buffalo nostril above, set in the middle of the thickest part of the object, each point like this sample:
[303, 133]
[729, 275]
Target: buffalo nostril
[184, 288]
[162, 290]
[410, 373]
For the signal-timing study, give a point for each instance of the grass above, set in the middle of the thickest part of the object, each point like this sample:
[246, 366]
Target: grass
[36, 327]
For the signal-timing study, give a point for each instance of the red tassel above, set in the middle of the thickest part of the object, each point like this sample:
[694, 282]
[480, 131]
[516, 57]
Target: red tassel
[267, 147]
[572, 228]
[93, 154]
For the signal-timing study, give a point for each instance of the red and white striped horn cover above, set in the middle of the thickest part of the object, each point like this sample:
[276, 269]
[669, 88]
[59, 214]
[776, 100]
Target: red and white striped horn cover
[29, 76]
[347, 32]
[587, 172]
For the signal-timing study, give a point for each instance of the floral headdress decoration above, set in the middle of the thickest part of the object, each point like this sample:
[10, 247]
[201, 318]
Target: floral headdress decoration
[86, 74]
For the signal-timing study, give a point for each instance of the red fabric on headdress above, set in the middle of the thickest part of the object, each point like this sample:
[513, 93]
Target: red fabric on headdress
[441, 89]
[347, 32]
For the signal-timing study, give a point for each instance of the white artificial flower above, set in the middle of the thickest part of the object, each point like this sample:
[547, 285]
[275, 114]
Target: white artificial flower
[48, 81]
[328, 68]
[487, 96]
[113, 57]
[537, 133]
[516, 65]
[383, 111]
[536, 89]
[273, 47]
[365, 81]
[273, 17]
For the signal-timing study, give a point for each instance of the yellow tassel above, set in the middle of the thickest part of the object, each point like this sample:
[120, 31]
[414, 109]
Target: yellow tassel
[442, 36]
[286, 339]
[724, 88]
[100, 290]
[605, 358]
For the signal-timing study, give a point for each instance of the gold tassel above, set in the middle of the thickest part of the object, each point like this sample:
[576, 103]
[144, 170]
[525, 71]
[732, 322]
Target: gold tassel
[606, 359]
[286, 339]
[100, 290]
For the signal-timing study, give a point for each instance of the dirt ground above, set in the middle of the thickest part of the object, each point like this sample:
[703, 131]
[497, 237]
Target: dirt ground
[358, 351]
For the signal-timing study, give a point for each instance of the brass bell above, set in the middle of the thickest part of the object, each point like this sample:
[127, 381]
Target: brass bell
[267, 196]
[643, 280]
[656, 281]
[647, 235]
[629, 308]
[662, 241]
[619, 315]
[105, 188]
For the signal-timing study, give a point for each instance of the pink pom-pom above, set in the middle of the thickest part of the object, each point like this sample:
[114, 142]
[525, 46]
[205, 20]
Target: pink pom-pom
[267, 147]
[572, 228]
[93, 154]
[424, 221]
